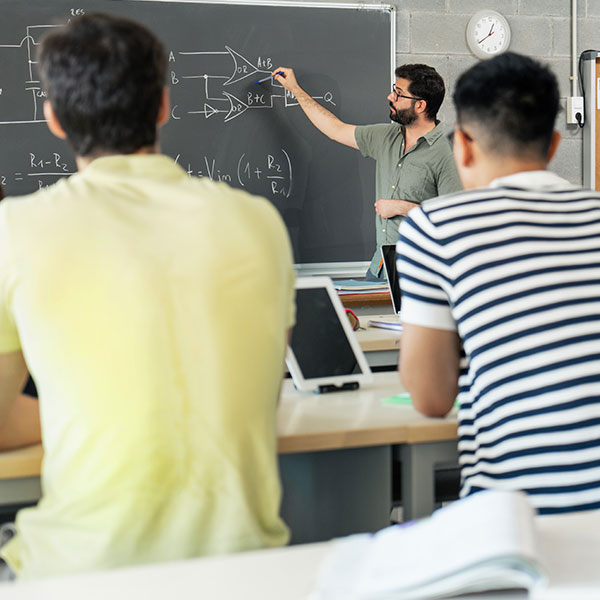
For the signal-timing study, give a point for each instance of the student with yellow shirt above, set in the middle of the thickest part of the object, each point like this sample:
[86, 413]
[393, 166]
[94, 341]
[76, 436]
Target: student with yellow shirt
[121, 296]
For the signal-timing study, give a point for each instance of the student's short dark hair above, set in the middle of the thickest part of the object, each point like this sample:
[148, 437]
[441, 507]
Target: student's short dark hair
[512, 101]
[426, 83]
[104, 76]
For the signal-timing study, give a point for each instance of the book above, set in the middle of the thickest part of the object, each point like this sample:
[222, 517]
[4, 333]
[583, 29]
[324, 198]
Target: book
[389, 323]
[480, 543]
[355, 285]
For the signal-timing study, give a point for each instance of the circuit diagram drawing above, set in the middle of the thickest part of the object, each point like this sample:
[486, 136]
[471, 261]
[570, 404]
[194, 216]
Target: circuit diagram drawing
[230, 93]
[219, 84]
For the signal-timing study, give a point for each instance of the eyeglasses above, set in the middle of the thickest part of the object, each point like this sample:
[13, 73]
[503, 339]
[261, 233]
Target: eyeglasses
[398, 95]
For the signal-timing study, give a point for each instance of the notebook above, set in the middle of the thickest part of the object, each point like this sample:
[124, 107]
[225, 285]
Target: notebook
[323, 354]
[486, 541]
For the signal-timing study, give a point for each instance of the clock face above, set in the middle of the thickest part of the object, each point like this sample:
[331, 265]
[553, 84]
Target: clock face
[488, 34]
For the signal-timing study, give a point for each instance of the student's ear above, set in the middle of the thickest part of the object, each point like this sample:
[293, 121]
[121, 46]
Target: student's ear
[53, 125]
[556, 137]
[165, 107]
[463, 149]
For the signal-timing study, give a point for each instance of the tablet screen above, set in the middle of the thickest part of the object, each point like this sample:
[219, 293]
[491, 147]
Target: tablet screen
[319, 341]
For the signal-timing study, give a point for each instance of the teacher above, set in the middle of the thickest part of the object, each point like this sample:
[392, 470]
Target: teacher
[414, 158]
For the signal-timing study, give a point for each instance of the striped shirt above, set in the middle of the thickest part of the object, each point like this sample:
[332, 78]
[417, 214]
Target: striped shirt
[514, 268]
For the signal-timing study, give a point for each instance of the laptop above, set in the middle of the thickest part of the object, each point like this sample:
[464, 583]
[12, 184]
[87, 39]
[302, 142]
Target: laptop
[323, 354]
[388, 253]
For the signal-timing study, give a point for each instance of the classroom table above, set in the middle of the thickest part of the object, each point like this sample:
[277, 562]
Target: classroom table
[380, 346]
[336, 452]
[569, 545]
[335, 457]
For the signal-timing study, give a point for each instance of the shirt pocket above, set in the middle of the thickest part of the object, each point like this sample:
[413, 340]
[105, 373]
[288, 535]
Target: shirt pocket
[416, 183]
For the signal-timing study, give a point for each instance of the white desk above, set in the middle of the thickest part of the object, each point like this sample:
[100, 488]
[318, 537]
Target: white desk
[570, 546]
[335, 456]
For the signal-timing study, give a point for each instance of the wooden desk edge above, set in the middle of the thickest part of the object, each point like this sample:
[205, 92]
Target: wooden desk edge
[375, 299]
[436, 431]
[23, 462]
[27, 462]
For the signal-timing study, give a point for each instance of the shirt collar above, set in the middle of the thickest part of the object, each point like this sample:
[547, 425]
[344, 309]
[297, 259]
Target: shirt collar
[532, 180]
[140, 165]
[430, 137]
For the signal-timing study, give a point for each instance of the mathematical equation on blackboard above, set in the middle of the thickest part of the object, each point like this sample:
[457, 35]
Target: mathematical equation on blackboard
[205, 84]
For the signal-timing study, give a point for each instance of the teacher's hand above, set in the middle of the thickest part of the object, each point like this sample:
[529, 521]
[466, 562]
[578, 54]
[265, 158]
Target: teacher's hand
[286, 77]
[387, 208]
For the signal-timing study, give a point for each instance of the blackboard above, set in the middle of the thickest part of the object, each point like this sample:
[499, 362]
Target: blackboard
[223, 125]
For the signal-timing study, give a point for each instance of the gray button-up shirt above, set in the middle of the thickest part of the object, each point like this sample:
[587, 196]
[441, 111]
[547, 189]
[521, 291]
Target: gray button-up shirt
[427, 170]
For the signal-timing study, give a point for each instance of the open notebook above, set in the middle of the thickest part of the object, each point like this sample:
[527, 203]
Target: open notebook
[484, 542]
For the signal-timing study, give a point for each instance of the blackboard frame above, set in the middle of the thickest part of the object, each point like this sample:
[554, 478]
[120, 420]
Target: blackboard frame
[311, 266]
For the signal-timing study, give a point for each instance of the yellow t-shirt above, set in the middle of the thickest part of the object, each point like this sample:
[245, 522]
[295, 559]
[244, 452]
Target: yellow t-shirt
[151, 308]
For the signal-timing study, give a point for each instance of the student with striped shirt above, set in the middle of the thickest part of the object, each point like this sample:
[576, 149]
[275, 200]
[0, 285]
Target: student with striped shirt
[508, 271]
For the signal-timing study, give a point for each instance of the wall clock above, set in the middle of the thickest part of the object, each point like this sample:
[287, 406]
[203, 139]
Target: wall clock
[488, 34]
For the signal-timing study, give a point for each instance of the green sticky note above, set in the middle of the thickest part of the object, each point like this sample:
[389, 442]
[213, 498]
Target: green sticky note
[398, 399]
[403, 398]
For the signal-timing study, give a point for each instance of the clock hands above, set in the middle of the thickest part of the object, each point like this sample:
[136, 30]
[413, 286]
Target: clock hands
[488, 35]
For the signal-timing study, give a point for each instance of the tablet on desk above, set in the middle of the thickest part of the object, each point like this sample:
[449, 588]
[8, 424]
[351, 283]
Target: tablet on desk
[323, 354]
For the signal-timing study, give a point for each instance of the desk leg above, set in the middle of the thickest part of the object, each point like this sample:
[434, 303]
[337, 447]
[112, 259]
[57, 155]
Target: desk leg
[332, 493]
[418, 478]
[24, 490]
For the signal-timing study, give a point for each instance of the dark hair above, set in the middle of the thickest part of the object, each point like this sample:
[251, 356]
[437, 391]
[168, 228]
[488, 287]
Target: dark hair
[426, 83]
[104, 76]
[512, 101]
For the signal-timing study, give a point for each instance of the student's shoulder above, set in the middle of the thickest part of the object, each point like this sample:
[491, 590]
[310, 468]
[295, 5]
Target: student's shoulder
[239, 203]
[30, 205]
[449, 206]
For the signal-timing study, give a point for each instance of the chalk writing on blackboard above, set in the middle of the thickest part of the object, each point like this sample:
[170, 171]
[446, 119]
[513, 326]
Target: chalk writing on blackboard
[217, 100]
[275, 169]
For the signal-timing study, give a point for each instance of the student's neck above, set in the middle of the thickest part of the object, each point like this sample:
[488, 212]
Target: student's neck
[496, 169]
[84, 161]
[418, 129]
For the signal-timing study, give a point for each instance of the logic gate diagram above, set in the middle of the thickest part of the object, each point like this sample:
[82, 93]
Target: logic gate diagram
[206, 84]
[229, 89]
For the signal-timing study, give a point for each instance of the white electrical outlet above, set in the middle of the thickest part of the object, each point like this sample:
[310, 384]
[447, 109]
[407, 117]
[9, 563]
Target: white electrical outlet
[575, 108]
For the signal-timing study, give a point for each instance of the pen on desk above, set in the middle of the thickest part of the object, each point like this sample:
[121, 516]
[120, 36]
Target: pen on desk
[269, 77]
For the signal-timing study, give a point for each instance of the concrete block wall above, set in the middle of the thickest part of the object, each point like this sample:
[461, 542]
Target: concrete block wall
[433, 32]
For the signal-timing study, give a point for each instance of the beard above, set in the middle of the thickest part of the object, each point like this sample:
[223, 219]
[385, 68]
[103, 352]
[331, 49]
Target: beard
[405, 116]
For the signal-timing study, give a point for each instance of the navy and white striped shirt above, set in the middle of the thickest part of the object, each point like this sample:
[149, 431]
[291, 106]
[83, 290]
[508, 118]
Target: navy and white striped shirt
[514, 268]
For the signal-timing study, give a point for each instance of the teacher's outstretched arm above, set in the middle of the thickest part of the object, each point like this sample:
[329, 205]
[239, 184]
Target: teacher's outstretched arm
[324, 120]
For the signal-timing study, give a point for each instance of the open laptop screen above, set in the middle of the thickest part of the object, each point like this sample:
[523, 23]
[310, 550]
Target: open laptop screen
[388, 252]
